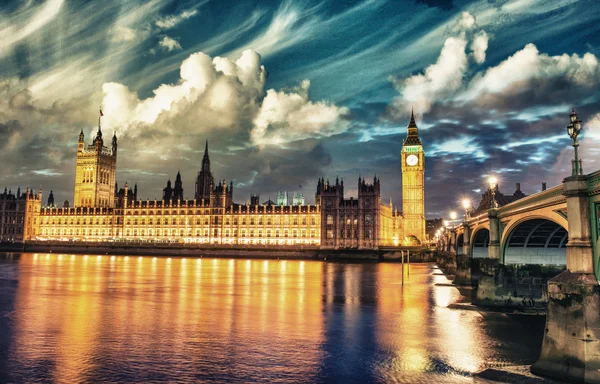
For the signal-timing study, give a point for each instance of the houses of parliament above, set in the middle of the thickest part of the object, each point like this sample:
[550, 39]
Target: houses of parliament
[102, 212]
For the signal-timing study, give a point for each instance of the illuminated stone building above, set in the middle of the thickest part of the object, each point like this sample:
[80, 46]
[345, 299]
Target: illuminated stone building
[212, 217]
[95, 173]
[412, 158]
[362, 223]
[18, 213]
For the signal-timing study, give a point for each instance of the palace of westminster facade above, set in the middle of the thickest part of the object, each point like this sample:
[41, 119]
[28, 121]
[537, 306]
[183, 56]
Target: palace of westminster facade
[103, 213]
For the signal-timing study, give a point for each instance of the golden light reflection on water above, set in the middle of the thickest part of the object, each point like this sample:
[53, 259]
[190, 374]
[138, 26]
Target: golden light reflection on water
[166, 304]
[97, 318]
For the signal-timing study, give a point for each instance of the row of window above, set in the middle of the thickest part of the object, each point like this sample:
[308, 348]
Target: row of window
[350, 220]
[173, 232]
[218, 220]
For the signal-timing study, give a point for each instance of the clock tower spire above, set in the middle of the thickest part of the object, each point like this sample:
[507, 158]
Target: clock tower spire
[412, 159]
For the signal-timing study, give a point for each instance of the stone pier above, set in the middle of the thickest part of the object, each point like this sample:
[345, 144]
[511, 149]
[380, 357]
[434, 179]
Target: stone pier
[571, 346]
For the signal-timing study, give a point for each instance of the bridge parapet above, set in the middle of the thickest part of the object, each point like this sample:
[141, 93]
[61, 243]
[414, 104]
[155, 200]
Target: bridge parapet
[542, 199]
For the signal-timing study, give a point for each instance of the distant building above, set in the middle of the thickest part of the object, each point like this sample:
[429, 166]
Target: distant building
[282, 198]
[298, 199]
[501, 199]
[432, 226]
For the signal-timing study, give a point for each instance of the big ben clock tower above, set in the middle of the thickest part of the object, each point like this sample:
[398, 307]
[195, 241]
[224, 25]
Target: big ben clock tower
[412, 158]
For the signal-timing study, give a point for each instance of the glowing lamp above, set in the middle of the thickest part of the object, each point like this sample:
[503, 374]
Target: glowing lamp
[453, 215]
[466, 203]
[493, 181]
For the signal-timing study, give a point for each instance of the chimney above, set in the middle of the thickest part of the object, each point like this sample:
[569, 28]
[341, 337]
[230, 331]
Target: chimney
[543, 186]
[518, 187]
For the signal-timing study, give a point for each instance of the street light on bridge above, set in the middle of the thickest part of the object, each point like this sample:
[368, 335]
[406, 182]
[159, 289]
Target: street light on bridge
[493, 182]
[574, 129]
[466, 203]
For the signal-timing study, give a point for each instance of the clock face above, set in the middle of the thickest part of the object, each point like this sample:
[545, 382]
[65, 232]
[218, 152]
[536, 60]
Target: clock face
[412, 160]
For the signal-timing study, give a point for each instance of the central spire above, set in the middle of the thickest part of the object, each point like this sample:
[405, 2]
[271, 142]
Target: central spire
[412, 123]
[206, 159]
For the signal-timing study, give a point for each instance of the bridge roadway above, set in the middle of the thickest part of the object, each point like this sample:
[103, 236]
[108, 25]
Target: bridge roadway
[548, 241]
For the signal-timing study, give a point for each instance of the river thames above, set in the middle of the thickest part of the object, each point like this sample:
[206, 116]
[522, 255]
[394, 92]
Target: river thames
[82, 319]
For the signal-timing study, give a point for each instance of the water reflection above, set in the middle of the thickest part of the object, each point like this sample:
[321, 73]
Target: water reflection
[117, 318]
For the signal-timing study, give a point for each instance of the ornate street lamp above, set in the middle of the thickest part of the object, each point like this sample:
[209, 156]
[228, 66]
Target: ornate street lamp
[493, 182]
[466, 203]
[574, 129]
[452, 218]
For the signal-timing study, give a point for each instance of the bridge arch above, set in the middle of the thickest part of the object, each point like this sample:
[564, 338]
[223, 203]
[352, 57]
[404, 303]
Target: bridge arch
[535, 240]
[480, 240]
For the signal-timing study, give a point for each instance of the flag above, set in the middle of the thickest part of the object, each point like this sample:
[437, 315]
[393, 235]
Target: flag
[101, 114]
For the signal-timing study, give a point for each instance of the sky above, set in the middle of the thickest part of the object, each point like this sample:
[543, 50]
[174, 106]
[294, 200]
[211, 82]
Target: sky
[289, 91]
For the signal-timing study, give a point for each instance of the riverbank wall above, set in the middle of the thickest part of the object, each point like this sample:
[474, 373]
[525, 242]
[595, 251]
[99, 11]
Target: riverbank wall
[218, 250]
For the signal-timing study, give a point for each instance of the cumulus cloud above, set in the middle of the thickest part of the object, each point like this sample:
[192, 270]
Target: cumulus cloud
[465, 22]
[444, 78]
[479, 46]
[171, 21]
[169, 43]
[526, 79]
[219, 93]
[285, 117]
[528, 65]
[438, 81]
[217, 90]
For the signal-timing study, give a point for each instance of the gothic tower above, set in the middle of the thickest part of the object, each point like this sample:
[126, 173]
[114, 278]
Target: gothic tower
[412, 158]
[95, 172]
[178, 190]
[204, 181]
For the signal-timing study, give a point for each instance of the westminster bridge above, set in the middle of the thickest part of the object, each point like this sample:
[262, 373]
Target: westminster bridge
[540, 248]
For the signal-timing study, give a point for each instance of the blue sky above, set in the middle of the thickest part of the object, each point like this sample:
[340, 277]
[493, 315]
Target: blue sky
[287, 91]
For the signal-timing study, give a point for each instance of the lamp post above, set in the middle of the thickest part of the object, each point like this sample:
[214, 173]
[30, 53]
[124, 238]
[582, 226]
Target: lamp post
[574, 129]
[493, 182]
[466, 203]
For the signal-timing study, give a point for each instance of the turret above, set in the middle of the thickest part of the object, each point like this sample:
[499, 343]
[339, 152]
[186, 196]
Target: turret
[114, 144]
[50, 199]
[178, 189]
[99, 141]
[81, 142]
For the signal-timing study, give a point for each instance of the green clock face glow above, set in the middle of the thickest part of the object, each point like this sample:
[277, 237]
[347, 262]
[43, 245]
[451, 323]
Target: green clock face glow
[412, 160]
